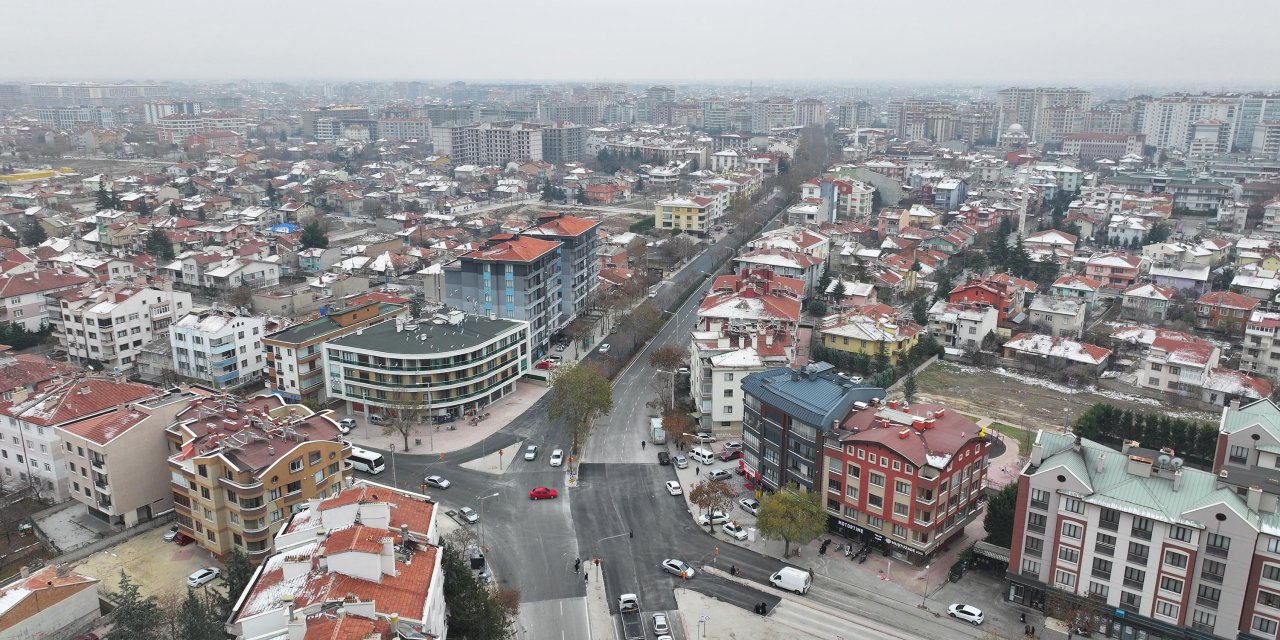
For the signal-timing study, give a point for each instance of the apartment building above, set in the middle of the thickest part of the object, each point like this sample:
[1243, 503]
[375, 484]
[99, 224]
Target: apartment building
[811, 111]
[116, 460]
[451, 364]
[691, 214]
[564, 142]
[855, 115]
[489, 143]
[109, 325]
[22, 295]
[579, 268]
[512, 277]
[326, 123]
[372, 547]
[1261, 355]
[906, 479]
[51, 94]
[1047, 114]
[295, 369]
[399, 129]
[221, 348]
[1132, 543]
[772, 113]
[239, 468]
[962, 325]
[1116, 271]
[65, 118]
[1169, 122]
[1058, 317]
[152, 112]
[788, 415]
[32, 453]
[1094, 146]
[1225, 312]
[869, 332]
[178, 127]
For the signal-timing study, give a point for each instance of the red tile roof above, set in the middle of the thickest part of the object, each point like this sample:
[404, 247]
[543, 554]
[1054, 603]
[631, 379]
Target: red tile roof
[76, 399]
[941, 441]
[1228, 300]
[564, 225]
[323, 626]
[24, 283]
[106, 427]
[517, 249]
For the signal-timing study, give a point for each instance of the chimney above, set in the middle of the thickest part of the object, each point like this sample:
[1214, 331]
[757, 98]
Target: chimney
[1037, 452]
[1098, 463]
[1129, 444]
[1177, 479]
[295, 624]
[1254, 500]
[25, 572]
[1075, 445]
[1235, 404]
[1140, 466]
[387, 559]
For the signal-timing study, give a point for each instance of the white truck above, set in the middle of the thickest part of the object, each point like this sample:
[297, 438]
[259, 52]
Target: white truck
[632, 623]
[792, 579]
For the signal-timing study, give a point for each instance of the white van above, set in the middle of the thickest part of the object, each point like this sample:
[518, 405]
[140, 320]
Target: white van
[377, 419]
[791, 579]
[701, 454]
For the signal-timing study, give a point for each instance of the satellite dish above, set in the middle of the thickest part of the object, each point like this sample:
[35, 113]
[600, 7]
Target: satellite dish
[1176, 462]
[1164, 461]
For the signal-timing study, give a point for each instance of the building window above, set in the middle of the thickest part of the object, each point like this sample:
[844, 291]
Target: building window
[875, 501]
[1033, 546]
[1073, 505]
[903, 487]
[1040, 498]
[1175, 559]
[1142, 527]
[1181, 534]
[1217, 545]
[1036, 522]
[1208, 596]
[1172, 585]
[854, 471]
[1265, 625]
[1065, 580]
[1099, 589]
[899, 531]
[875, 523]
[1238, 454]
[1102, 568]
[1271, 572]
[876, 479]
[1071, 530]
[1268, 599]
[900, 509]
[1212, 570]
[1030, 567]
[1109, 519]
[1166, 609]
[1138, 552]
[295, 465]
[1069, 555]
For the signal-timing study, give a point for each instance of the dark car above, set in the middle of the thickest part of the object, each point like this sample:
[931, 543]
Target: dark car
[728, 455]
[183, 539]
[664, 458]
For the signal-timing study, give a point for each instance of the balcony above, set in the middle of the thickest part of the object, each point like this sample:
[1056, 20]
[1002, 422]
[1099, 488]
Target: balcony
[103, 487]
[1131, 607]
[1105, 549]
[1136, 558]
[1043, 505]
[1206, 602]
[1038, 528]
[1108, 525]
[1142, 534]
[1216, 551]
[253, 512]
[98, 463]
[1101, 573]
[105, 505]
[1210, 577]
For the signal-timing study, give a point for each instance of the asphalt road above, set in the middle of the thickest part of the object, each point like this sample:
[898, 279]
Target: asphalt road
[620, 511]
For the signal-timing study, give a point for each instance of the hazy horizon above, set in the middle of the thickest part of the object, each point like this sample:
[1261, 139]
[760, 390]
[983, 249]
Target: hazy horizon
[982, 43]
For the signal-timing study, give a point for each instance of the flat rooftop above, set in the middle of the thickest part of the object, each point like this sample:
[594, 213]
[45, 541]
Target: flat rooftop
[428, 338]
[322, 325]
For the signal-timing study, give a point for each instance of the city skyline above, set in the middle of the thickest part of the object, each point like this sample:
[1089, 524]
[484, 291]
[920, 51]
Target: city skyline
[276, 41]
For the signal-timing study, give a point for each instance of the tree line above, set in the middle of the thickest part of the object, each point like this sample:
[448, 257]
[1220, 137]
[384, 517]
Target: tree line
[1191, 440]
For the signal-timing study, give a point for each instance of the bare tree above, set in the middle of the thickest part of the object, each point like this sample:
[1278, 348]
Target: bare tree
[712, 496]
[577, 331]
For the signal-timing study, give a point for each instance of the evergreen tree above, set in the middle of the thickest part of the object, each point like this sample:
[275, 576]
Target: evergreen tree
[174, 209]
[909, 385]
[199, 617]
[271, 194]
[136, 617]
[159, 245]
[115, 199]
[104, 199]
[313, 236]
[144, 208]
[920, 311]
[33, 235]
[943, 291]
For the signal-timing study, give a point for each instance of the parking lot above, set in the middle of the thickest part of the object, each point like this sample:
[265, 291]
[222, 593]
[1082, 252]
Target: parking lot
[156, 566]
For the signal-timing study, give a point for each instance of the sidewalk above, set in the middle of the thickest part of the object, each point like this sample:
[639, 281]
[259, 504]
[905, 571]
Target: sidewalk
[429, 439]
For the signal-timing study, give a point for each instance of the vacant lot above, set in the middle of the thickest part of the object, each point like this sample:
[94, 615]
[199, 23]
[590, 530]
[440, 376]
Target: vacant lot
[1016, 398]
[154, 565]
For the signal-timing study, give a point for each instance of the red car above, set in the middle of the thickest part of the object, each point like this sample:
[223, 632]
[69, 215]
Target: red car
[542, 493]
[182, 539]
[731, 454]
[545, 364]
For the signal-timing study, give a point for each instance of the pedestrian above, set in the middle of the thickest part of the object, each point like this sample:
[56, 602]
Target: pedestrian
[1033, 631]
[631, 534]
[577, 565]
[584, 577]
[1022, 617]
[697, 471]
[642, 443]
[810, 573]
[1070, 634]
[1026, 629]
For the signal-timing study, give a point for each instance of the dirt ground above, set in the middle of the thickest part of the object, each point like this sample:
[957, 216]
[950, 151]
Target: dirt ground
[156, 566]
[1019, 399]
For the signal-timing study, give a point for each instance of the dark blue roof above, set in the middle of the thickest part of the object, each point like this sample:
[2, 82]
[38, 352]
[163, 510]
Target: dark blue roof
[814, 394]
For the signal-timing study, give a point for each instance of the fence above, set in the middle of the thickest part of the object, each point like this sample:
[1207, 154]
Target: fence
[903, 378]
[86, 550]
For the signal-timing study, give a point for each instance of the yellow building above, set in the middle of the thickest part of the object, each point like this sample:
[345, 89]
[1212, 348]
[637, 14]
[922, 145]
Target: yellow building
[864, 334]
[690, 213]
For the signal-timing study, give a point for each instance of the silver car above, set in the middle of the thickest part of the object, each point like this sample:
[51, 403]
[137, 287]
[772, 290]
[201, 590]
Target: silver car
[531, 452]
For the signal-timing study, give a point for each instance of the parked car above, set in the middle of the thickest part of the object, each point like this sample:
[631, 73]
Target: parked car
[728, 455]
[182, 539]
[557, 457]
[345, 425]
[677, 567]
[673, 488]
[561, 347]
[680, 461]
[750, 505]
[604, 348]
[734, 530]
[531, 452]
[555, 360]
[733, 445]
[545, 364]
[203, 576]
[966, 612]
[542, 493]
[437, 482]
[715, 517]
[377, 419]
[664, 458]
[469, 515]
[171, 534]
[719, 474]
[702, 437]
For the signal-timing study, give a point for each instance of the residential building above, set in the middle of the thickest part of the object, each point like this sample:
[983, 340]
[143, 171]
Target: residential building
[871, 333]
[772, 113]
[70, 118]
[402, 129]
[1008, 297]
[1169, 122]
[488, 143]
[1224, 311]
[961, 325]
[327, 123]
[789, 413]
[1042, 353]
[1177, 365]
[1132, 542]
[22, 295]
[782, 262]
[240, 467]
[855, 115]
[373, 548]
[451, 364]
[564, 142]
[1058, 317]
[52, 602]
[906, 479]
[221, 348]
[512, 277]
[691, 214]
[1047, 114]
[32, 452]
[116, 460]
[49, 94]
[1079, 288]
[811, 111]
[153, 111]
[1192, 279]
[109, 325]
[579, 269]
[1146, 302]
[1096, 146]
[1116, 271]
[1261, 354]
[295, 370]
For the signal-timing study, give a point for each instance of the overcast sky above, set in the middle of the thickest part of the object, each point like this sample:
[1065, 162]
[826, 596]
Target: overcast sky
[1226, 43]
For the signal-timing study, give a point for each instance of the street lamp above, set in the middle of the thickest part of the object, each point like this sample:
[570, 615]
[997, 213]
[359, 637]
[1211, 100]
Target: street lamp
[481, 500]
[926, 586]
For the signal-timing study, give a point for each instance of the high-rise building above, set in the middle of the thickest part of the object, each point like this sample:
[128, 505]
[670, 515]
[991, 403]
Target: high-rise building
[661, 93]
[398, 129]
[578, 265]
[110, 324]
[855, 115]
[1046, 114]
[221, 348]
[511, 277]
[564, 142]
[772, 113]
[74, 117]
[811, 111]
[1169, 122]
[94, 94]
[495, 143]
[10, 95]
[326, 123]
[153, 111]
[1255, 110]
